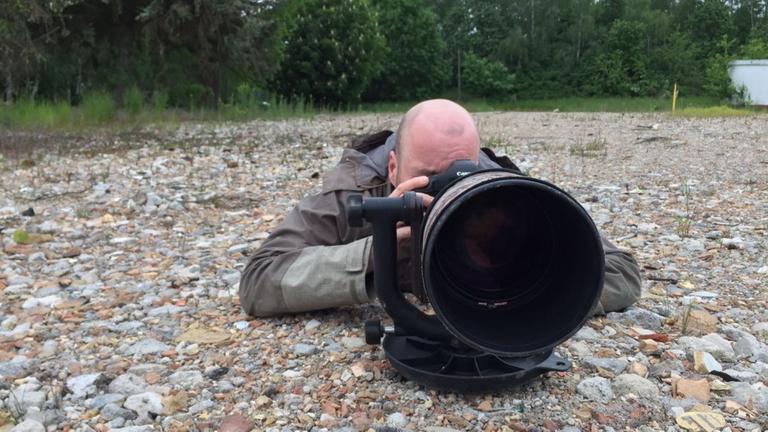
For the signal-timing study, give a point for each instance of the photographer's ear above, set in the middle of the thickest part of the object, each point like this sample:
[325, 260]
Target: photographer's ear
[392, 168]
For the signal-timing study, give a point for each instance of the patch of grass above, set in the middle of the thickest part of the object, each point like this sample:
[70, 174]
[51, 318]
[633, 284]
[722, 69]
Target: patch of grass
[568, 104]
[133, 101]
[20, 237]
[597, 147]
[97, 107]
[606, 104]
[714, 111]
[29, 114]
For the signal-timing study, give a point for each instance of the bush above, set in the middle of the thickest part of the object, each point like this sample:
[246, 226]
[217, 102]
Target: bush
[486, 78]
[159, 100]
[133, 101]
[332, 52]
[97, 107]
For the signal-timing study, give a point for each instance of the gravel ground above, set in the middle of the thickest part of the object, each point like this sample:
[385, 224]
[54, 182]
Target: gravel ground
[119, 308]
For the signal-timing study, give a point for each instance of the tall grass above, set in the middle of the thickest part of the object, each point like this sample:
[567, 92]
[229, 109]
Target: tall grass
[98, 109]
[714, 111]
[28, 114]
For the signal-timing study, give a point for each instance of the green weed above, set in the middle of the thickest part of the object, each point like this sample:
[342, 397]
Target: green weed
[714, 111]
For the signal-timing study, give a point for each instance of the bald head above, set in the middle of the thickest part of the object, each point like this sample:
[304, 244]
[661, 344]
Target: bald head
[431, 136]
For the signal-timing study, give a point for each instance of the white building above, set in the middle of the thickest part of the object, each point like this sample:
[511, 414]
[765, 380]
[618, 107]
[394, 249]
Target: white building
[753, 76]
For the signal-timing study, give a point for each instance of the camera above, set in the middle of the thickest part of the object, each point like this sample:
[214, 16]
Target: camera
[510, 265]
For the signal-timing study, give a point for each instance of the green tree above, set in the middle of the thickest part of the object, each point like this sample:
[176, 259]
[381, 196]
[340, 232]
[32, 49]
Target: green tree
[486, 78]
[621, 69]
[331, 53]
[414, 65]
[20, 48]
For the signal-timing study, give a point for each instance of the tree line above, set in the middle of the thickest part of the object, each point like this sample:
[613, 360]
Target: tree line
[192, 53]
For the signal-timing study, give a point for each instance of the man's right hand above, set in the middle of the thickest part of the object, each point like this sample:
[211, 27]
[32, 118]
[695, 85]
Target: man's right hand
[404, 232]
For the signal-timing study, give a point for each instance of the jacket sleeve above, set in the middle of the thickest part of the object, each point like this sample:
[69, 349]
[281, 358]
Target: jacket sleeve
[622, 284]
[311, 261]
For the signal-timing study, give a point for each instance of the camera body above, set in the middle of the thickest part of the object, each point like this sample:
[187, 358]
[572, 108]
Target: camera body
[458, 169]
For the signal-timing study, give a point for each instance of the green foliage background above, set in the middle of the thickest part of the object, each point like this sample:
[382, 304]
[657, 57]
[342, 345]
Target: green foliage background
[126, 55]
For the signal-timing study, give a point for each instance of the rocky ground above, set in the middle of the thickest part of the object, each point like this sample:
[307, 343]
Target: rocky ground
[120, 264]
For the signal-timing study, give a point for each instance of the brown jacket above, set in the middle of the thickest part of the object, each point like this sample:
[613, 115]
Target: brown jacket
[315, 260]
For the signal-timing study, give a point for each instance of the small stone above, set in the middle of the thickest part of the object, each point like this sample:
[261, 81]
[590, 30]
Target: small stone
[699, 322]
[45, 302]
[146, 346]
[637, 317]
[187, 378]
[750, 348]
[201, 406]
[128, 384]
[632, 384]
[99, 401]
[353, 342]
[761, 329]
[693, 245]
[713, 235]
[122, 240]
[165, 310]
[648, 346]
[397, 420]
[37, 257]
[638, 369]
[82, 386]
[263, 401]
[697, 389]
[145, 404]
[712, 343]
[17, 367]
[750, 395]
[237, 248]
[301, 349]
[236, 423]
[46, 416]
[586, 333]
[23, 399]
[733, 243]
[29, 426]
[743, 375]
[596, 389]
[146, 428]
[216, 372]
[580, 349]
[112, 411]
[613, 365]
[312, 324]
[225, 386]
[705, 363]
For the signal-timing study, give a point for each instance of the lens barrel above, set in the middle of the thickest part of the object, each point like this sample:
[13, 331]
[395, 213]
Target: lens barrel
[512, 265]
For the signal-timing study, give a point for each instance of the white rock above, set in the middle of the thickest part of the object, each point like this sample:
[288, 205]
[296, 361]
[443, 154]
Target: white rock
[128, 384]
[47, 301]
[633, 384]
[397, 420]
[29, 426]
[145, 403]
[186, 378]
[82, 386]
[596, 389]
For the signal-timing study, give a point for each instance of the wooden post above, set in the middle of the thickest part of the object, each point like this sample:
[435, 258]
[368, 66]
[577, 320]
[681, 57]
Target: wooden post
[674, 97]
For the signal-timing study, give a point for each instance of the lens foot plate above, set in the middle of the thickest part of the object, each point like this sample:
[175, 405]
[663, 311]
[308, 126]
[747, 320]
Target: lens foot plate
[442, 366]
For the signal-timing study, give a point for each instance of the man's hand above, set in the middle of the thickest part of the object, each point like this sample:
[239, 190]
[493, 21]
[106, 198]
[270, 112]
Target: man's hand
[404, 232]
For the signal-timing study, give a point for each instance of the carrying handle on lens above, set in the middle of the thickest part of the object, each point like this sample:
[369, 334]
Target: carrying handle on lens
[383, 214]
